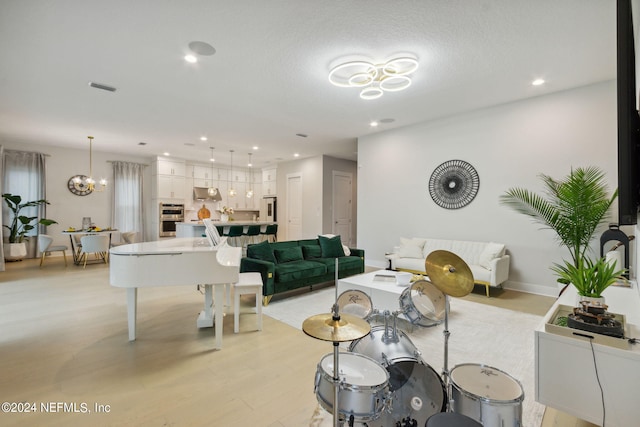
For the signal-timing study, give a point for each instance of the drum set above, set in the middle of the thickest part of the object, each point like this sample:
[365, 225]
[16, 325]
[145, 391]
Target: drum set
[383, 381]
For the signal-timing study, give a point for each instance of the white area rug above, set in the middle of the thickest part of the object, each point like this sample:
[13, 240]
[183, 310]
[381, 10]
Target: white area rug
[481, 334]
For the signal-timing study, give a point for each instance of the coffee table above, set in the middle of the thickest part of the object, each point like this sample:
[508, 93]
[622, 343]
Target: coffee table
[384, 294]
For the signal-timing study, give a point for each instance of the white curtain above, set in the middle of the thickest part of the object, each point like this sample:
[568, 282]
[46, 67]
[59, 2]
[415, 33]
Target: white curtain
[128, 208]
[24, 174]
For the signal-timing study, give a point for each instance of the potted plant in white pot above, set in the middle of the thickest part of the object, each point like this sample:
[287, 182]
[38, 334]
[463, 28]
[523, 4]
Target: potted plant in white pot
[574, 208]
[20, 225]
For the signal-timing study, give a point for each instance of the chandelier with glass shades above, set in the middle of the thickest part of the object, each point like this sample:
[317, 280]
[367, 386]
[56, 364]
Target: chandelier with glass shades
[212, 191]
[87, 181]
[375, 79]
[232, 191]
[249, 193]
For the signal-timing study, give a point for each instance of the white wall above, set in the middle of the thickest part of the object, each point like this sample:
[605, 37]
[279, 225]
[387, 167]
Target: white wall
[509, 146]
[66, 208]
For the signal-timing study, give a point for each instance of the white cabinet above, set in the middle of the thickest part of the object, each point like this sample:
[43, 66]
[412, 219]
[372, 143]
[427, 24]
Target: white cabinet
[205, 173]
[169, 182]
[269, 182]
[171, 167]
[238, 176]
[170, 187]
[569, 370]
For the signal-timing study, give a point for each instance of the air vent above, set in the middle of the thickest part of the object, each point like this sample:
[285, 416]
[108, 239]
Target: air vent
[101, 86]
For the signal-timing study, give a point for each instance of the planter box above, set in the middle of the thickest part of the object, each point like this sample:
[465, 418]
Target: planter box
[565, 310]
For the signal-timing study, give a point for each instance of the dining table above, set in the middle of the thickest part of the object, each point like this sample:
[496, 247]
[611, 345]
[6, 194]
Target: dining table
[75, 247]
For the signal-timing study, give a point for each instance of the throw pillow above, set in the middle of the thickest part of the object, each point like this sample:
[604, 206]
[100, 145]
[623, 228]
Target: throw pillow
[331, 247]
[288, 254]
[261, 251]
[346, 250]
[311, 251]
[491, 251]
[411, 248]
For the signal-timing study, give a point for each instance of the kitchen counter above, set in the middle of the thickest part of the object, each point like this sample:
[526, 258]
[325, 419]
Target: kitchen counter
[196, 228]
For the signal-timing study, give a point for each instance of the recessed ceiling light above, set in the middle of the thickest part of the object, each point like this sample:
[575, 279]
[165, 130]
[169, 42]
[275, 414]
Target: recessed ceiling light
[166, 154]
[537, 82]
[373, 124]
[191, 59]
[296, 155]
[203, 138]
[255, 147]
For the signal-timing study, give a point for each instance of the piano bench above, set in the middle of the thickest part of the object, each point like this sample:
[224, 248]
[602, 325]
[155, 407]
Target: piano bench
[248, 283]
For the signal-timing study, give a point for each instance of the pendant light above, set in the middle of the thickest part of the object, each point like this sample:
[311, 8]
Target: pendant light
[250, 189]
[88, 182]
[232, 191]
[212, 190]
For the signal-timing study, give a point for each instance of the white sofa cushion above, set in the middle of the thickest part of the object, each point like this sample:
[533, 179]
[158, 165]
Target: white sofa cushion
[491, 251]
[411, 248]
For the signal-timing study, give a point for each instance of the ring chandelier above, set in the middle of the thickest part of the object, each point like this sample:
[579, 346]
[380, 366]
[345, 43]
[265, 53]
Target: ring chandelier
[374, 80]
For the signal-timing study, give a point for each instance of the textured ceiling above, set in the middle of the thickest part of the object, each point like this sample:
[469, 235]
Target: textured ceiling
[268, 79]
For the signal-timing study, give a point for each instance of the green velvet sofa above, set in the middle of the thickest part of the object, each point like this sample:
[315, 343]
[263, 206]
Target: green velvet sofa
[294, 264]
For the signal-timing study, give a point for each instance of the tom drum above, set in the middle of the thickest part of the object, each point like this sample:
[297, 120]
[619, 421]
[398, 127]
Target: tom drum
[423, 304]
[488, 395]
[356, 303]
[364, 386]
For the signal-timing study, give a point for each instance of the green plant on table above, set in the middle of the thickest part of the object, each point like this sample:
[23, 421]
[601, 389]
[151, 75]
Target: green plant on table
[590, 278]
[22, 224]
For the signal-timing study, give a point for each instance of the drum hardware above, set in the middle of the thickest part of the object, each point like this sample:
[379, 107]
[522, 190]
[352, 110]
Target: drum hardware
[336, 328]
[451, 275]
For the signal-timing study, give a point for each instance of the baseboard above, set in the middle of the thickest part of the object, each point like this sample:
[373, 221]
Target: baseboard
[549, 291]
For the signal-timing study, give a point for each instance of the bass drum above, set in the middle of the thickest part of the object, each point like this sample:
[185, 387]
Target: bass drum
[364, 386]
[487, 395]
[417, 391]
[423, 304]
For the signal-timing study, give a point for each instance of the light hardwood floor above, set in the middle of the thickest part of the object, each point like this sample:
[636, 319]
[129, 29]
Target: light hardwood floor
[63, 338]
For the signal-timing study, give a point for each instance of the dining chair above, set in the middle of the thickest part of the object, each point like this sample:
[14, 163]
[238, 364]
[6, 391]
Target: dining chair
[44, 244]
[97, 244]
[130, 237]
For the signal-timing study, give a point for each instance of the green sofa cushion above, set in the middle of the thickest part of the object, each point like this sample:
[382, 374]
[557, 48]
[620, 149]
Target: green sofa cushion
[296, 270]
[261, 251]
[311, 251]
[288, 254]
[344, 263]
[331, 247]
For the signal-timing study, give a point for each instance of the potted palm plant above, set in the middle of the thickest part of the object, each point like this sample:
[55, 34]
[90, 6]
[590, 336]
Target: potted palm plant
[573, 207]
[20, 225]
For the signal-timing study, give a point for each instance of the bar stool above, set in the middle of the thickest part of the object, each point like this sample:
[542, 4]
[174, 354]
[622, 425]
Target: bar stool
[235, 232]
[270, 231]
[248, 283]
[250, 235]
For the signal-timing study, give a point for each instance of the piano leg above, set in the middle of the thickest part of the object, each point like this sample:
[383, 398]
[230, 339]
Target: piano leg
[132, 308]
[205, 319]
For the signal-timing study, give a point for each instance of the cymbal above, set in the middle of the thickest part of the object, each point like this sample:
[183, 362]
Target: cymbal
[348, 328]
[449, 273]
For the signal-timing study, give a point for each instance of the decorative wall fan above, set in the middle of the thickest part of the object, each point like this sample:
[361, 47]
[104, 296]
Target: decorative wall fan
[454, 184]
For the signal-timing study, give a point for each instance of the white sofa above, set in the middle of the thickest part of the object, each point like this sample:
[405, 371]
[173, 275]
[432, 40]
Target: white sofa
[488, 261]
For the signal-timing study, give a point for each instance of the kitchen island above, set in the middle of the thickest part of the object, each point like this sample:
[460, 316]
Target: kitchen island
[196, 228]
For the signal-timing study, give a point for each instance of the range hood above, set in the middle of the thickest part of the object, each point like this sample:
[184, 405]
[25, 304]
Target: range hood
[202, 193]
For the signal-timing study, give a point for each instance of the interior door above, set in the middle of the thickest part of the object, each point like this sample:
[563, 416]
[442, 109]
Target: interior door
[294, 206]
[342, 206]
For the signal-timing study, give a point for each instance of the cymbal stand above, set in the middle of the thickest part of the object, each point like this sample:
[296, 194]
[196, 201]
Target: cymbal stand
[336, 351]
[445, 371]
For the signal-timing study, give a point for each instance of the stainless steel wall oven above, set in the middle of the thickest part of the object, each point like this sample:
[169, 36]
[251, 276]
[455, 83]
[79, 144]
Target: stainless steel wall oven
[170, 213]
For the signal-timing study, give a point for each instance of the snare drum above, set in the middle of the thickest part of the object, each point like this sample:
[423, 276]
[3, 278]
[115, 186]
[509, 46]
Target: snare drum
[364, 386]
[423, 304]
[487, 395]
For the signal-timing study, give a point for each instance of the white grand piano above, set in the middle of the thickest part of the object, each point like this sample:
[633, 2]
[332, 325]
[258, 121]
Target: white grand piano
[171, 262]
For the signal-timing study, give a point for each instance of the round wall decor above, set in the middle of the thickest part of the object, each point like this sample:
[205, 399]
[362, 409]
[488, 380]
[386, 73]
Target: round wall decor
[454, 184]
[77, 185]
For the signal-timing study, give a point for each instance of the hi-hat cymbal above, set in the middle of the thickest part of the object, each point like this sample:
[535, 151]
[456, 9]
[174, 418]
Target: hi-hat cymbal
[347, 328]
[449, 273]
